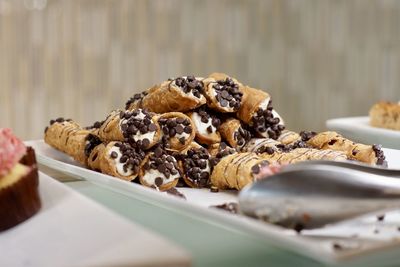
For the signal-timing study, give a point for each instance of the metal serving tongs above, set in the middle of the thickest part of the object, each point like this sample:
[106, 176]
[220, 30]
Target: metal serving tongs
[314, 193]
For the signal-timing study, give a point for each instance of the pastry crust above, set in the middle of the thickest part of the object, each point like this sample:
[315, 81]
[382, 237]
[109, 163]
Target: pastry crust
[288, 137]
[252, 99]
[210, 92]
[385, 115]
[356, 151]
[234, 133]
[173, 142]
[168, 97]
[303, 154]
[236, 171]
[110, 130]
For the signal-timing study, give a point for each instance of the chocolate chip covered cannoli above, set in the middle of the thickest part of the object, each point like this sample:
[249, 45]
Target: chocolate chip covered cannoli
[160, 170]
[196, 166]
[137, 126]
[237, 170]
[180, 94]
[262, 145]
[223, 93]
[233, 131]
[303, 154]
[220, 150]
[206, 125]
[118, 159]
[257, 111]
[371, 154]
[68, 137]
[177, 129]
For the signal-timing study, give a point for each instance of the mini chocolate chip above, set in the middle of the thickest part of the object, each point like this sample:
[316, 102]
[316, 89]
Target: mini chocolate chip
[255, 169]
[152, 127]
[172, 132]
[158, 181]
[182, 140]
[223, 102]
[188, 129]
[123, 159]
[204, 119]
[145, 142]
[209, 129]
[179, 129]
[161, 168]
[214, 189]
[380, 217]
[114, 155]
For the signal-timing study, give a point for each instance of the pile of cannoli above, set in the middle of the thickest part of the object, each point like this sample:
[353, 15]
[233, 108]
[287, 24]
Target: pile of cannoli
[212, 132]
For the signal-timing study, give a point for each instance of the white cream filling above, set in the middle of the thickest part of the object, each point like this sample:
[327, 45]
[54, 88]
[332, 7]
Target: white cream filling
[184, 135]
[118, 164]
[201, 126]
[139, 136]
[151, 175]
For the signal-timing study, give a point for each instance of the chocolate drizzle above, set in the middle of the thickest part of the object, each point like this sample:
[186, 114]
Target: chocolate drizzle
[135, 98]
[263, 121]
[190, 84]
[228, 93]
[131, 156]
[134, 122]
[195, 164]
[91, 142]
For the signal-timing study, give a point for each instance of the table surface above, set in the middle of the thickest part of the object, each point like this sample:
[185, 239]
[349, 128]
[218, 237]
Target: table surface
[209, 244]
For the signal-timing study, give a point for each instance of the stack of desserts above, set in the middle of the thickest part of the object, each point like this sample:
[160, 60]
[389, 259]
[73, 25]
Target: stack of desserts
[199, 132]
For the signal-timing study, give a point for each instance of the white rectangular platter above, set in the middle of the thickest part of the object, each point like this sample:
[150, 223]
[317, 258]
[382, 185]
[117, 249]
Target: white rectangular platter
[320, 244]
[358, 128]
[72, 230]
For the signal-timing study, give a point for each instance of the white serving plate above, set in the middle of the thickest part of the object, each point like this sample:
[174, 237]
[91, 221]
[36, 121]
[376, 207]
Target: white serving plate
[72, 230]
[358, 128]
[317, 244]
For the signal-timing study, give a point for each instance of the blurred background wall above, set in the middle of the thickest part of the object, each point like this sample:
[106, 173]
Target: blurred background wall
[80, 59]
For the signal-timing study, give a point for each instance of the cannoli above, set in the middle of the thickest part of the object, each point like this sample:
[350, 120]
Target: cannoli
[159, 170]
[385, 115]
[371, 154]
[177, 129]
[180, 94]
[262, 145]
[137, 126]
[257, 111]
[237, 170]
[196, 166]
[206, 125]
[303, 154]
[118, 159]
[68, 137]
[220, 150]
[223, 93]
[234, 133]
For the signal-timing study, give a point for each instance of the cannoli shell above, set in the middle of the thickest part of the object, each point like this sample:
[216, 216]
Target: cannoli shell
[208, 139]
[251, 100]
[167, 98]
